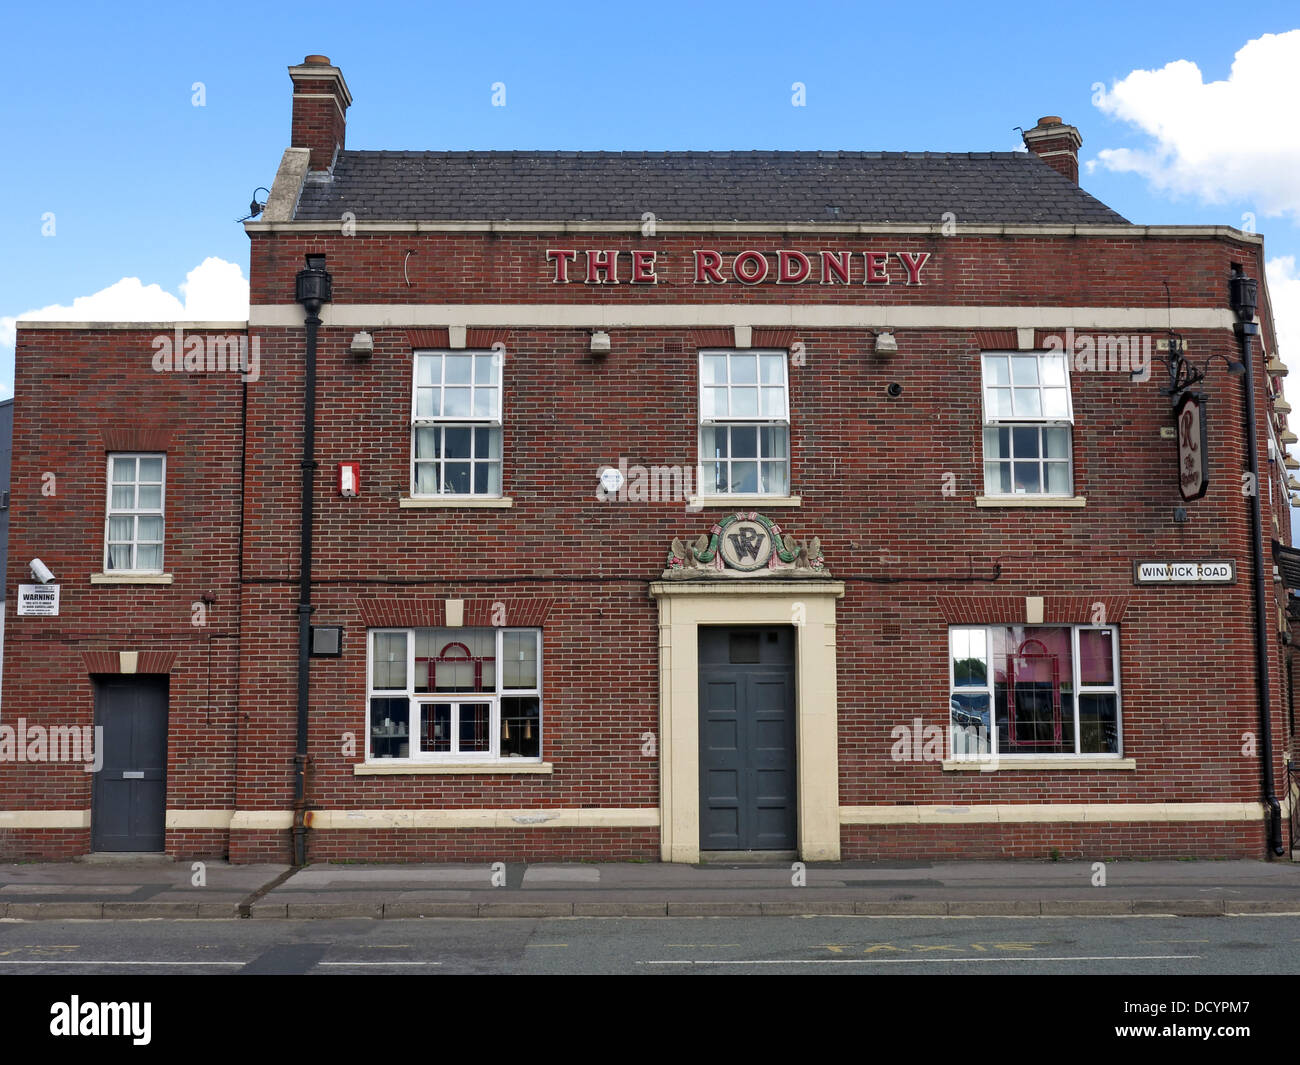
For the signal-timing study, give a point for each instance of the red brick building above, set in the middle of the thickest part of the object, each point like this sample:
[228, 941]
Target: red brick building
[660, 505]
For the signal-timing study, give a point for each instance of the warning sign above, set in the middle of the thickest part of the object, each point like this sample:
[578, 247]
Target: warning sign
[38, 600]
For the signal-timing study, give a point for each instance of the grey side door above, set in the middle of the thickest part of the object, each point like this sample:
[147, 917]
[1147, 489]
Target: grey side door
[747, 739]
[129, 804]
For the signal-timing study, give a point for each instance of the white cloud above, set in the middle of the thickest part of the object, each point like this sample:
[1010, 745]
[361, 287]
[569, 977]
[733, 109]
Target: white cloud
[1284, 292]
[215, 290]
[1220, 140]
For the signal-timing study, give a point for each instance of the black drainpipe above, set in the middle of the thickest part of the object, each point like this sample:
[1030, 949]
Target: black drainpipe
[312, 288]
[1244, 293]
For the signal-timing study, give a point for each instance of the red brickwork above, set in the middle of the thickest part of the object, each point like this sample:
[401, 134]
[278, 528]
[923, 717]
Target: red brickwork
[1097, 842]
[79, 395]
[889, 486]
[318, 120]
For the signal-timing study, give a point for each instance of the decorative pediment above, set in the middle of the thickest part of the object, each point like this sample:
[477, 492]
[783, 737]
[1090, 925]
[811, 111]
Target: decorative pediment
[745, 544]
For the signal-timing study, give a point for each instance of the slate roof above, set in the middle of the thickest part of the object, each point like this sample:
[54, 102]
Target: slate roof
[914, 187]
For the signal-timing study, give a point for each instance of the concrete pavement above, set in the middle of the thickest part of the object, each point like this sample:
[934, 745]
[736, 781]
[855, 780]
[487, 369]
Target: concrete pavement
[157, 888]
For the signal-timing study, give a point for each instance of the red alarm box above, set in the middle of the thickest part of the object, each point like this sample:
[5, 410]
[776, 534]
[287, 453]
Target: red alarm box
[349, 479]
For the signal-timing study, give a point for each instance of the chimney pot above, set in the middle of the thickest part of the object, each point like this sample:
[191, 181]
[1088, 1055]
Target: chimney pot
[317, 61]
[1050, 120]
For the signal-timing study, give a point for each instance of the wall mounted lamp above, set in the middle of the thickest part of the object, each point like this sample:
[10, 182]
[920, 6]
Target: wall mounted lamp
[885, 344]
[363, 345]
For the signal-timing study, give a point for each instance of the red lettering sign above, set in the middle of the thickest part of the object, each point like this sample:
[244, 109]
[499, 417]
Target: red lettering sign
[912, 264]
[707, 264]
[874, 263]
[792, 267]
[837, 263]
[643, 268]
[602, 262]
[561, 258]
[751, 266]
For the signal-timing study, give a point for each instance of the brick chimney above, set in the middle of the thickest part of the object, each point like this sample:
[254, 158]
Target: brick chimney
[1056, 144]
[320, 104]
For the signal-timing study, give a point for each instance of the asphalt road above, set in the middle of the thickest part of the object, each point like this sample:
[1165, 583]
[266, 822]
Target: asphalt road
[1180, 946]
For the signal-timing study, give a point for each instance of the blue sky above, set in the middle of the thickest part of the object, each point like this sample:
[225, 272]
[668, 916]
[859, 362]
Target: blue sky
[101, 131]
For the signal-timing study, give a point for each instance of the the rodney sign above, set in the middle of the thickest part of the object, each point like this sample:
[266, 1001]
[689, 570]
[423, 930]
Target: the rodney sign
[750, 266]
[1193, 458]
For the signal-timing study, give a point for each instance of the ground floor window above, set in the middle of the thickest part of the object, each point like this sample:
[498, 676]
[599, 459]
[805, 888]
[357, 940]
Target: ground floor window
[1034, 690]
[454, 694]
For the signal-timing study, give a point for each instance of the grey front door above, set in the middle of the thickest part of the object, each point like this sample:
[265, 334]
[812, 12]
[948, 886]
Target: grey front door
[129, 807]
[747, 739]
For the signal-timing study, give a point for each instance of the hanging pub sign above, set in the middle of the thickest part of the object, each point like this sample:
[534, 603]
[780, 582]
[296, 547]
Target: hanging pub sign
[1193, 453]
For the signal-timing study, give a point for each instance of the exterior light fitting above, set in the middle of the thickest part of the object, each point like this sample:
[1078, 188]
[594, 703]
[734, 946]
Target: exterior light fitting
[363, 345]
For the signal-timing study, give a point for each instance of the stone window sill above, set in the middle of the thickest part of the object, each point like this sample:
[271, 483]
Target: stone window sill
[1014, 762]
[743, 502]
[1031, 501]
[456, 501]
[130, 578]
[392, 767]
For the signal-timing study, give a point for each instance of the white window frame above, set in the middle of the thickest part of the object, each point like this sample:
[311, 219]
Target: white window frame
[417, 700]
[135, 512]
[708, 484]
[472, 423]
[1079, 690]
[1017, 421]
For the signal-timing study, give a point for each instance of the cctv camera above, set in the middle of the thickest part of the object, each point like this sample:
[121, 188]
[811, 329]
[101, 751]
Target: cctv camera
[40, 571]
[894, 389]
